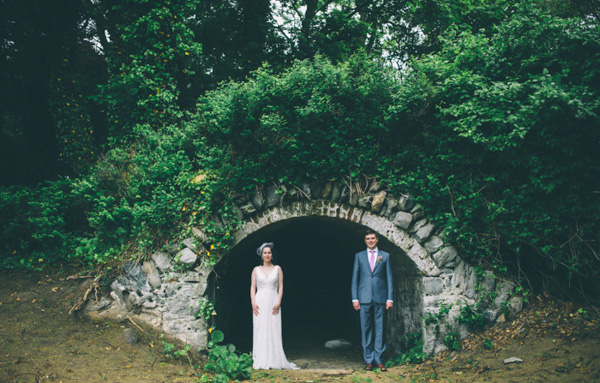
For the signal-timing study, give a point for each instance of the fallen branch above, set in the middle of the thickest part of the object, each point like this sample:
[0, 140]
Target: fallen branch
[136, 325]
[476, 373]
[93, 286]
[79, 276]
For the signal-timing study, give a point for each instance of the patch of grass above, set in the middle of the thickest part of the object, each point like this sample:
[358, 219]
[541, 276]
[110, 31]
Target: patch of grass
[359, 379]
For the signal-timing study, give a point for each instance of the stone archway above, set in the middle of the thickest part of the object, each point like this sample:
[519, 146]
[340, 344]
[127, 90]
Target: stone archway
[316, 254]
[410, 260]
[428, 274]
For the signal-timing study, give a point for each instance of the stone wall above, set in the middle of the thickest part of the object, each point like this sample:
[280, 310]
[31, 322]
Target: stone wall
[166, 291]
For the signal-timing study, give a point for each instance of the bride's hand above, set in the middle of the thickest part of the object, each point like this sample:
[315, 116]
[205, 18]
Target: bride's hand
[276, 308]
[255, 309]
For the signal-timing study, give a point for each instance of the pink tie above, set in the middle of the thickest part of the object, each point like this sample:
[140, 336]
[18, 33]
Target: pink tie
[372, 260]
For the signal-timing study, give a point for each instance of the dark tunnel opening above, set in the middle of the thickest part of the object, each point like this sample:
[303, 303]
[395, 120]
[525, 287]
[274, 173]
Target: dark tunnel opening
[316, 255]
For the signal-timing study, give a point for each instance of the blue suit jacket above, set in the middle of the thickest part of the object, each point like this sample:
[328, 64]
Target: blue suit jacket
[376, 286]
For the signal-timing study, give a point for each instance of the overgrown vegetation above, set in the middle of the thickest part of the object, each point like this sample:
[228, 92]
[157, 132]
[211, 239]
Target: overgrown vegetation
[472, 316]
[225, 362]
[413, 344]
[435, 318]
[495, 131]
[452, 341]
[504, 130]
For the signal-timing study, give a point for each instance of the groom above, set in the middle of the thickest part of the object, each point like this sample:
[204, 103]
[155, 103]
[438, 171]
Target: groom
[372, 296]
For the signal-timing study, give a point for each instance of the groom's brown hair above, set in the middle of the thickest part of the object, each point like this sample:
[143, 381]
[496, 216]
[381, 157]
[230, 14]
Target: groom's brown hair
[370, 231]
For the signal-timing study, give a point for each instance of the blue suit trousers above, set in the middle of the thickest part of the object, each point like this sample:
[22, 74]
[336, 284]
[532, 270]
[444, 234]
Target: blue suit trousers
[372, 320]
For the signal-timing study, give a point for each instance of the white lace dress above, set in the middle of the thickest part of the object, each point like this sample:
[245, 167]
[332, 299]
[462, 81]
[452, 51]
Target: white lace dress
[267, 345]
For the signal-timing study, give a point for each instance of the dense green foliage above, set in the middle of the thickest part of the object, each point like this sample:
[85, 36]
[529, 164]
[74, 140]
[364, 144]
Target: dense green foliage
[78, 75]
[42, 224]
[315, 121]
[153, 55]
[504, 132]
[494, 127]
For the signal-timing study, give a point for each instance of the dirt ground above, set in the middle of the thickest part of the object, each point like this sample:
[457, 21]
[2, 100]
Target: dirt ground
[40, 341]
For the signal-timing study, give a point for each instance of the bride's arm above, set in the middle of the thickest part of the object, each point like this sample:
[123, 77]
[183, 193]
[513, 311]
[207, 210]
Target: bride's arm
[255, 308]
[280, 291]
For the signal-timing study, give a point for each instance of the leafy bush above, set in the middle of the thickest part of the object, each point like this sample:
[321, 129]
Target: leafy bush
[413, 343]
[38, 225]
[316, 120]
[452, 341]
[225, 362]
[498, 136]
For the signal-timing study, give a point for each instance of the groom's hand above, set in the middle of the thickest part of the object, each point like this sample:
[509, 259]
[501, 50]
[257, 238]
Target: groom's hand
[356, 305]
[388, 305]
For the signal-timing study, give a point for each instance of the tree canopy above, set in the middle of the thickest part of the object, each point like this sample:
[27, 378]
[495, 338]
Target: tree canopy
[487, 112]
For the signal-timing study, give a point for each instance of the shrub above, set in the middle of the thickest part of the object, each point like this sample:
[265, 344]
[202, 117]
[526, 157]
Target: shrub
[452, 341]
[413, 343]
[38, 225]
[224, 361]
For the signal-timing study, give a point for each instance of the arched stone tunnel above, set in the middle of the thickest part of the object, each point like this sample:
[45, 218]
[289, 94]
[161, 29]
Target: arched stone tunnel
[317, 231]
[316, 255]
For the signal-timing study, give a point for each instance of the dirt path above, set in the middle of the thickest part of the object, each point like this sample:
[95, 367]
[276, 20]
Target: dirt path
[40, 342]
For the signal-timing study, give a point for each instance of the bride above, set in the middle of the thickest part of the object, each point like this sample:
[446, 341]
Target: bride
[266, 291]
